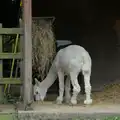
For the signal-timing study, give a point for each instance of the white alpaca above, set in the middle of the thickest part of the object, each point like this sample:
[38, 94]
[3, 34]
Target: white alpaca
[69, 61]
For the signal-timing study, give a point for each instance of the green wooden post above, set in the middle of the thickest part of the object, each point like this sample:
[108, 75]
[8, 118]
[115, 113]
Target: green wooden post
[1, 69]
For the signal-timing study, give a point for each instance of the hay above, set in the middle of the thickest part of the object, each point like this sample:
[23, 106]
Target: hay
[43, 46]
[110, 94]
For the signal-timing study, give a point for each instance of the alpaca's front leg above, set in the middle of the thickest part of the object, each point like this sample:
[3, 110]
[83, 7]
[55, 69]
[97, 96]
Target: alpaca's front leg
[67, 90]
[61, 87]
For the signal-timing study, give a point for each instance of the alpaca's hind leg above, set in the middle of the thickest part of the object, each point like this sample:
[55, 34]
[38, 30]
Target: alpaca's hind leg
[67, 90]
[61, 87]
[88, 99]
[76, 87]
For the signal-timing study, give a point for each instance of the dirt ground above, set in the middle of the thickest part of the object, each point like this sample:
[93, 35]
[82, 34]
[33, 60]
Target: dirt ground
[49, 106]
[105, 102]
[100, 108]
[49, 110]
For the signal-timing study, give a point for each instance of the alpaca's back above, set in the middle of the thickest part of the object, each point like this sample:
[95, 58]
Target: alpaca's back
[73, 57]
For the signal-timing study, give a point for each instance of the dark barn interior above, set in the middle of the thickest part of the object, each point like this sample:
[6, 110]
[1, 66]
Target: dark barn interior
[92, 24]
[95, 25]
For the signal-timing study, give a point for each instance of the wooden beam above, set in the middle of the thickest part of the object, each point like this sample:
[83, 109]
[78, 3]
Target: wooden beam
[27, 57]
[4, 81]
[10, 56]
[11, 30]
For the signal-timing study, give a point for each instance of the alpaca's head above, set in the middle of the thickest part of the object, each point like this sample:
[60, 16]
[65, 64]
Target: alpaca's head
[39, 90]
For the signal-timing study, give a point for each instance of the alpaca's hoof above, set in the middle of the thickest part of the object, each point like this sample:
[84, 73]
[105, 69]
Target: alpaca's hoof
[88, 102]
[67, 100]
[59, 101]
[73, 101]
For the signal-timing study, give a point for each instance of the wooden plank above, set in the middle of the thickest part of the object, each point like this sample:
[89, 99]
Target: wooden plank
[1, 69]
[10, 81]
[11, 30]
[10, 56]
[6, 117]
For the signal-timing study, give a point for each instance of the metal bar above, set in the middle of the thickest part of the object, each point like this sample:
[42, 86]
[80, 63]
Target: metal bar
[49, 17]
[10, 56]
[11, 31]
[27, 57]
[10, 81]
[1, 69]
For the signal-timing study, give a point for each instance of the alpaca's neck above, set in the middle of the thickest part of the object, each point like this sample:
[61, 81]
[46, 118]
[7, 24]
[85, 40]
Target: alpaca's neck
[50, 79]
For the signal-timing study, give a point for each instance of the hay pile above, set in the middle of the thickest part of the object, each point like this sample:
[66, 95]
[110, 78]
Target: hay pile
[43, 46]
[110, 94]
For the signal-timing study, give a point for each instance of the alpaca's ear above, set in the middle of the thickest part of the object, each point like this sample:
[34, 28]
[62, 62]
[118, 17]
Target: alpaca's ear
[37, 82]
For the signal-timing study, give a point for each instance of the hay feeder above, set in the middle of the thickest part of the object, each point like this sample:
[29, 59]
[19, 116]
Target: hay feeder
[43, 41]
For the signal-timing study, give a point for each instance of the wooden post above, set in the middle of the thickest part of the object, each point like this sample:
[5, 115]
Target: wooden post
[1, 69]
[21, 62]
[27, 52]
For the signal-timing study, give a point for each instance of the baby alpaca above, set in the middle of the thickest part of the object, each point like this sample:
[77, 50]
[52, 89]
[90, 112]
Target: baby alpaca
[69, 61]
